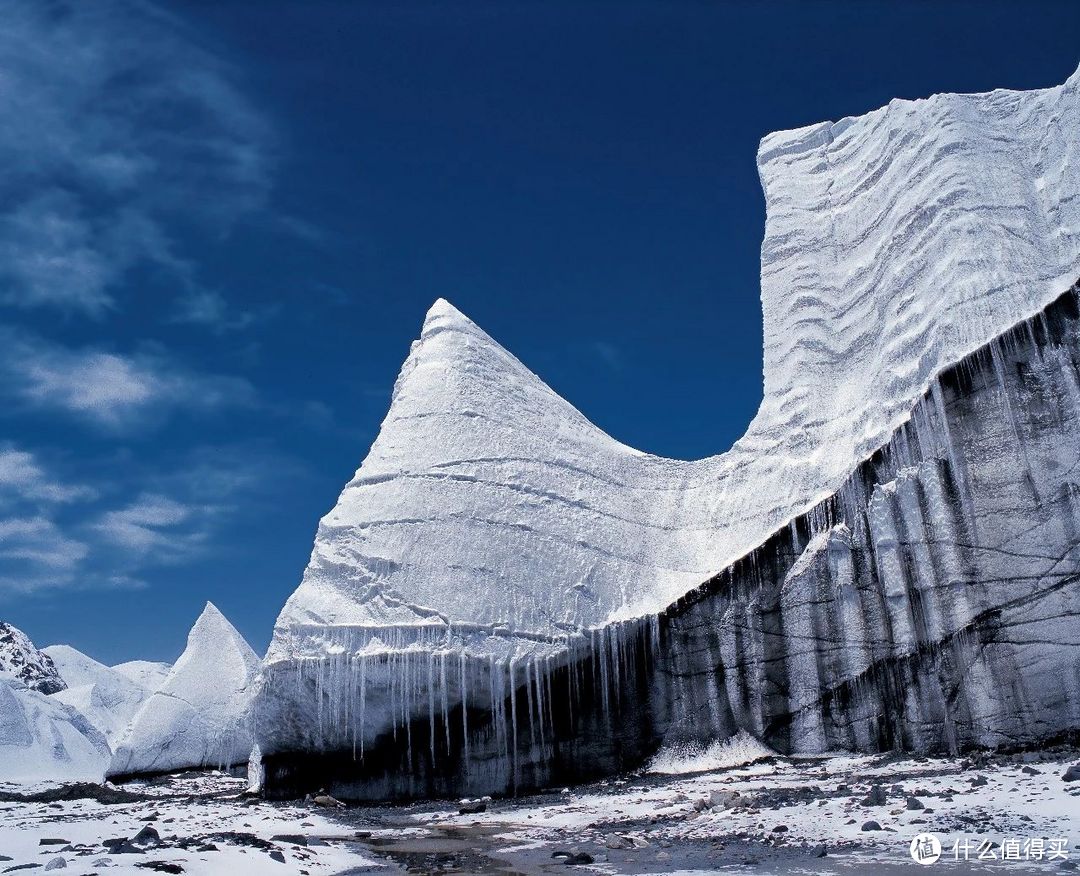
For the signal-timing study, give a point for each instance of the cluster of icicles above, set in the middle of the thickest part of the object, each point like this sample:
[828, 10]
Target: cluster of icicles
[366, 681]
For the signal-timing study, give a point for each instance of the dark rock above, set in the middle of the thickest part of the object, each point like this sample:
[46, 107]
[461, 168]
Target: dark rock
[296, 839]
[780, 828]
[277, 856]
[578, 858]
[1029, 771]
[56, 864]
[818, 852]
[148, 836]
[1072, 774]
[978, 781]
[914, 803]
[161, 866]
[207, 847]
[362, 834]
[22, 867]
[472, 808]
[876, 797]
[74, 791]
[871, 825]
[49, 841]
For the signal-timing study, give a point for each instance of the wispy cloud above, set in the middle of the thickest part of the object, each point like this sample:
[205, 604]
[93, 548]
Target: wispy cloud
[153, 523]
[23, 478]
[115, 124]
[110, 389]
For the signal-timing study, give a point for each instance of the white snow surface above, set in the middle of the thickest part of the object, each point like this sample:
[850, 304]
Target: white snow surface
[145, 673]
[895, 244]
[685, 758]
[44, 740]
[200, 715]
[108, 698]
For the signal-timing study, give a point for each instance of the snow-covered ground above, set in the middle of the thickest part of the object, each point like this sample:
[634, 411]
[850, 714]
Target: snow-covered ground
[205, 825]
[772, 815]
[778, 815]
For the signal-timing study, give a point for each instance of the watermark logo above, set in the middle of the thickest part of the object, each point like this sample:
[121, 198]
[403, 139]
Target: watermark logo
[925, 849]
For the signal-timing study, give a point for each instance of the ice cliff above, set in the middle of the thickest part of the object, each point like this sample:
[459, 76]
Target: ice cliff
[199, 716]
[494, 545]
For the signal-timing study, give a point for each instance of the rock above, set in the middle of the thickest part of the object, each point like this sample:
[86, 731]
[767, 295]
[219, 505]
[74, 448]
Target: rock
[49, 841]
[296, 839]
[207, 847]
[277, 856]
[474, 807]
[871, 825]
[1072, 774]
[876, 797]
[578, 858]
[780, 828]
[614, 841]
[161, 866]
[1029, 771]
[327, 802]
[701, 804]
[148, 836]
[979, 781]
[914, 803]
[818, 852]
[56, 864]
[723, 799]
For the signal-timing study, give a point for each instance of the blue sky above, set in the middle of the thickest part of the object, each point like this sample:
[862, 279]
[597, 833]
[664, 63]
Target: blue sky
[221, 225]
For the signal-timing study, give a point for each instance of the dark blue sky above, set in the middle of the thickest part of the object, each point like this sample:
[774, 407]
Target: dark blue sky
[221, 224]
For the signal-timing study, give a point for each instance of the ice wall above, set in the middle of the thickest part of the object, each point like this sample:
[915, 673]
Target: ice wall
[491, 525]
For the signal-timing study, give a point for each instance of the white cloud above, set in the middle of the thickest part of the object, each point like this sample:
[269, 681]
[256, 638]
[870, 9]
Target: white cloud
[23, 478]
[151, 523]
[110, 389]
[39, 541]
[115, 123]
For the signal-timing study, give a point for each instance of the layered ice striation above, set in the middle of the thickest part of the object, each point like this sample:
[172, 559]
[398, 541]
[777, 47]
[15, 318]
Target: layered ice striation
[200, 715]
[493, 537]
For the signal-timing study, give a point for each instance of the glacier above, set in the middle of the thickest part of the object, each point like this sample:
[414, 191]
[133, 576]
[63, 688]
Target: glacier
[106, 696]
[200, 714]
[504, 596]
[42, 738]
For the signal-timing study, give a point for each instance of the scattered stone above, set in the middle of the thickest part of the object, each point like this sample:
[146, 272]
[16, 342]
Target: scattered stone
[277, 856]
[914, 803]
[56, 864]
[296, 839]
[161, 866]
[1072, 774]
[871, 825]
[48, 841]
[614, 841]
[327, 802]
[472, 807]
[780, 828]
[362, 834]
[22, 867]
[207, 847]
[978, 781]
[578, 859]
[876, 797]
[1030, 771]
[148, 836]
[818, 852]
[724, 799]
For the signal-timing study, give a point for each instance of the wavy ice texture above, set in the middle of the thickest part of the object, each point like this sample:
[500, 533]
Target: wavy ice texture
[895, 244]
[200, 715]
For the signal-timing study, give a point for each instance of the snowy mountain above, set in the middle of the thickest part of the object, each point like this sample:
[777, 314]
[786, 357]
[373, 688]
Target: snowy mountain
[20, 659]
[200, 714]
[494, 536]
[145, 673]
[108, 698]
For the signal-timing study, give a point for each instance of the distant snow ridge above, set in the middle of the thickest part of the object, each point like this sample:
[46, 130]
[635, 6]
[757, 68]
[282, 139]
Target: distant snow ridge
[492, 520]
[107, 697]
[200, 715]
[41, 738]
[20, 659]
